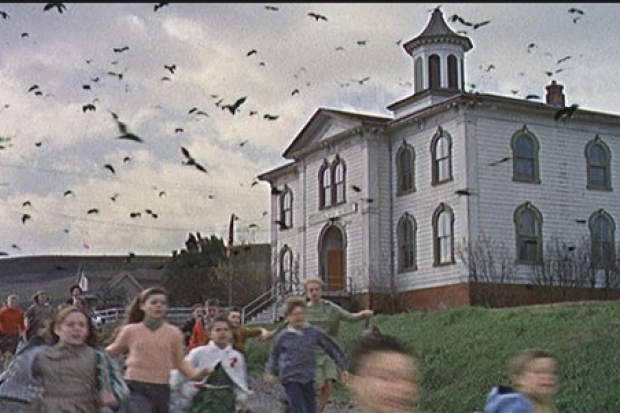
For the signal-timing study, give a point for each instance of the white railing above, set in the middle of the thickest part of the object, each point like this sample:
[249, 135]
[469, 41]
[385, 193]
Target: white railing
[175, 315]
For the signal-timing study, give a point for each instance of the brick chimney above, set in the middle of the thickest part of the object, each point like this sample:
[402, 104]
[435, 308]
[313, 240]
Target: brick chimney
[555, 96]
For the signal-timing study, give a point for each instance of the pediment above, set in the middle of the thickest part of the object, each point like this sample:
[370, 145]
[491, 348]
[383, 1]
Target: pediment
[325, 124]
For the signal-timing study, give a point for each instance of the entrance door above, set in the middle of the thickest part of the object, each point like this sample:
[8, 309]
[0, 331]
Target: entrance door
[335, 273]
[332, 256]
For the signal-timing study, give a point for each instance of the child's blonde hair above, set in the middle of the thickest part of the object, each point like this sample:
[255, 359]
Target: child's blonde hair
[518, 364]
[313, 280]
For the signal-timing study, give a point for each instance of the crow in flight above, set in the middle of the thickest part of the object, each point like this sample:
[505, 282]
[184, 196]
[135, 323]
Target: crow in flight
[317, 16]
[159, 6]
[5, 16]
[171, 68]
[59, 6]
[120, 49]
[272, 8]
[25, 218]
[92, 211]
[235, 106]
[190, 161]
[110, 167]
[88, 107]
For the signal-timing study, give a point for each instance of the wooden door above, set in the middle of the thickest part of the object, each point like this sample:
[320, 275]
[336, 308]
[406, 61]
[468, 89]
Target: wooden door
[335, 271]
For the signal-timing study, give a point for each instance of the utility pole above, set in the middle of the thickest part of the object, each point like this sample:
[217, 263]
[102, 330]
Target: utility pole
[231, 232]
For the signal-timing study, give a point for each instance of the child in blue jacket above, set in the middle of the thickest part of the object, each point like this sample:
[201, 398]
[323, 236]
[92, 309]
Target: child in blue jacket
[534, 377]
[292, 357]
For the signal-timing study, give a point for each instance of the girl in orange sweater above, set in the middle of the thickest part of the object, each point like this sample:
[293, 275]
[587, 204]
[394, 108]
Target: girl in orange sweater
[153, 348]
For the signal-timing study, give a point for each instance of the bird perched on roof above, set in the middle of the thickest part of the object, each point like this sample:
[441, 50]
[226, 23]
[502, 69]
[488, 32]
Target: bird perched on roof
[566, 113]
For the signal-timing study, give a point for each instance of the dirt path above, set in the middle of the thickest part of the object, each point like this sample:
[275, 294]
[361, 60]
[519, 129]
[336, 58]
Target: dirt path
[266, 399]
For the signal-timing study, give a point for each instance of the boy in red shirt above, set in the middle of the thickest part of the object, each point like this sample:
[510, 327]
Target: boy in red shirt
[11, 326]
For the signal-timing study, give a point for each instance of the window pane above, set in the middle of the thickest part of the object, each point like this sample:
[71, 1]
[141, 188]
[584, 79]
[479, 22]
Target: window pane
[452, 72]
[597, 155]
[524, 169]
[524, 147]
[598, 177]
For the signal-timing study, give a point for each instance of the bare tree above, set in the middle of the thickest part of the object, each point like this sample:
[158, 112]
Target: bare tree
[491, 265]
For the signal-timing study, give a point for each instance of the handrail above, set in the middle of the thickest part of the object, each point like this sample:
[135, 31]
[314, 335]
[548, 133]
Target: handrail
[259, 302]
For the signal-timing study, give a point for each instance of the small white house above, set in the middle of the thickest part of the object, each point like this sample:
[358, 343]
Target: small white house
[455, 194]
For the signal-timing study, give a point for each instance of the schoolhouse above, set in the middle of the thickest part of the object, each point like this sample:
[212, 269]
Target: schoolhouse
[458, 198]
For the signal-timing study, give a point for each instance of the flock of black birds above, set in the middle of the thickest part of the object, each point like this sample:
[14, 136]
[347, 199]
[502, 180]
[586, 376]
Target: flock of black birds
[234, 107]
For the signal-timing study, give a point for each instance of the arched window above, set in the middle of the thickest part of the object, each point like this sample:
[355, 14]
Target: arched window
[325, 185]
[528, 230]
[443, 235]
[418, 75]
[286, 268]
[602, 229]
[598, 158]
[338, 172]
[441, 153]
[434, 72]
[286, 208]
[405, 169]
[453, 72]
[407, 229]
[525, 157]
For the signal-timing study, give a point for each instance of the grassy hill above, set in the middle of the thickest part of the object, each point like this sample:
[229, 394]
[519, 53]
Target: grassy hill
[463, 352]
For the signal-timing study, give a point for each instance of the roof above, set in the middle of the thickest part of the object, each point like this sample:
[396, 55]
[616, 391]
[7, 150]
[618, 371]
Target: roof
[437, 31]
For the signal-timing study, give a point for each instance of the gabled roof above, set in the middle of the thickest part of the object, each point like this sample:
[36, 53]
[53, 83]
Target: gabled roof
[437, 31]
[329, 122]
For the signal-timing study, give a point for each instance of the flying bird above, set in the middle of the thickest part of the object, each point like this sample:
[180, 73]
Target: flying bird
[243, 143]
[67, 193]
[506, 159]
[27, 203]
[33, 87]
[110, 167]
[120, 49]
[235, 106]
[362, 42]
[162, 193]
[361, 81]
[463, 192]
[484, 23]
[113, 197]
[566, 113]
[178, 130]
[356, 188]
[25, 218]
[159, 6]
[125, 134]
[529, 97]
[170, 68]
[126, 159]
[574, 10]
[92, 211]
[190, 161]
[251, 52]
[135, 215]
[295, 92]
[270, 117]
[88, 107]
[59, 6]
[317, 16]
[272, 8]
[5, 15]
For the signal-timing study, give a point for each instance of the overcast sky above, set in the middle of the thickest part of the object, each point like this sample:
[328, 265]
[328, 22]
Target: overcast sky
[52, 144]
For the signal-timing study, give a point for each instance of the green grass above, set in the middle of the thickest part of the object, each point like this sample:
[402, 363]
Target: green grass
[463, 352]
